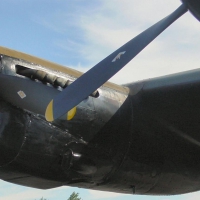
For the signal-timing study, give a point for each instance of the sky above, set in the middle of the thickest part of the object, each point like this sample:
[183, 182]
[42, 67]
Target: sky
[79, 34]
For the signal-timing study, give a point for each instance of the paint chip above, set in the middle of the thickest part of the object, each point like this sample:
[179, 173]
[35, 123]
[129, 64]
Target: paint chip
[21, 94]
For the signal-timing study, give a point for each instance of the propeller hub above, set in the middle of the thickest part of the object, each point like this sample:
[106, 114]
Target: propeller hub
[193, 6]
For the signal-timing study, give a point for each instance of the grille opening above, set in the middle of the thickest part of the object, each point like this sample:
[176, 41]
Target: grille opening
[47, 78]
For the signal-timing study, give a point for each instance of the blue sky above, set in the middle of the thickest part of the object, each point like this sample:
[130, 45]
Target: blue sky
[79, 34]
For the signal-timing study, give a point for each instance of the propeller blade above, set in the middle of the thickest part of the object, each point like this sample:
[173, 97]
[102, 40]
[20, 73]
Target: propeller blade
[104, 70]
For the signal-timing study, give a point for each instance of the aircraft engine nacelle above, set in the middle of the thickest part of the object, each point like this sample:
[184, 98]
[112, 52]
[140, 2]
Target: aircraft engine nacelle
[194, 7]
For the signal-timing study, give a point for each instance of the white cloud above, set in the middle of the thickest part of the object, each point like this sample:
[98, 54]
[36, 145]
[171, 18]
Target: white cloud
[10, 191]
[116, 22]
[25, 195]
[103, 195]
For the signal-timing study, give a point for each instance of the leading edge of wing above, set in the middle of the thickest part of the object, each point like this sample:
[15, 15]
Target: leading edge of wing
[175, 81]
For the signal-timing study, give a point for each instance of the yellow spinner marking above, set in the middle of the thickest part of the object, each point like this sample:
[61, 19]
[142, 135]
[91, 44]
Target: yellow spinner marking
[71, 113]
[49, 112]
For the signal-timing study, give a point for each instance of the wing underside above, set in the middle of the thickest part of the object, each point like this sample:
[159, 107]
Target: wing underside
[170, 104]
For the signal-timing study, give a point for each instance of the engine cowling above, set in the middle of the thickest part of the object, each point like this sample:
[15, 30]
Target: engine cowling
[12, 132]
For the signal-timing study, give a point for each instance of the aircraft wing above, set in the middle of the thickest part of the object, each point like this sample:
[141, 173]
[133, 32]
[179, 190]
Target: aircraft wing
[169, 104]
